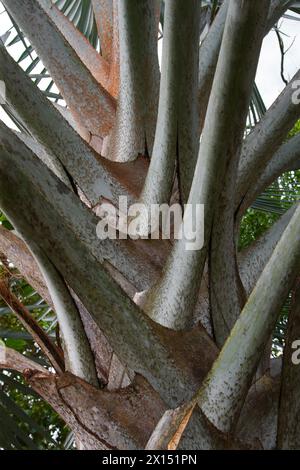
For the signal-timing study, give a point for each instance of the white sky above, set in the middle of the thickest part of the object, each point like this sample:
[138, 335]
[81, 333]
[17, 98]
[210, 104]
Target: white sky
[268, 77]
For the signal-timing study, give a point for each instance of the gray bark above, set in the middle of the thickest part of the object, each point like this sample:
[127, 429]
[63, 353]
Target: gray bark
[150, 352]
[226, 291]
[289, 409]
[52, 131]
[96, 115]
[266, 138]
[177, 133]
[210, 48]
[287, 158]
[173, 300]
[78, 355]
[134, 129]
[224, 391]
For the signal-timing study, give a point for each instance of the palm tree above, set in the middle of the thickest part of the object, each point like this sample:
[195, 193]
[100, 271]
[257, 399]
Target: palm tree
[156, 346]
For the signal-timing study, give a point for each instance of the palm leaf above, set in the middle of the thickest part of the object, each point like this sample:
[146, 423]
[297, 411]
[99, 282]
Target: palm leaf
[80, 12]
[281, 195]
[23, 429]
[11, 435]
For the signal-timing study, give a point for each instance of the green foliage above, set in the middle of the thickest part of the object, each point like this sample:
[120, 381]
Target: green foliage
[274, 201]
[80, 12]
[32, 422]
[26, 421]
[47, 431]
[295, 130]
[31, 414]
[281, 195]
[253, 225]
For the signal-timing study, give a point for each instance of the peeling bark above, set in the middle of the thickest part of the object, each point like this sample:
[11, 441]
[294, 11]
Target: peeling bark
[99, 419]
[170, 428]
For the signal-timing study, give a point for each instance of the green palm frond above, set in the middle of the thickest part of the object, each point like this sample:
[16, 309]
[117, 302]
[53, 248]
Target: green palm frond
[80, 12]
[281, 195]
[29, 423]
[257, 109]
[23, 429]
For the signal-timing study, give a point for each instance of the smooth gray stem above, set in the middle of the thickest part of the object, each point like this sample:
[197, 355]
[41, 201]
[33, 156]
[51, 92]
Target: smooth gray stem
[227, 296]
[266, 138]
[210, 48]
[96, 115]
[177, 133]
[173, 300]
[78, 355]
[254, 258]
[224, 390]
[287, 158]
[288, 436]
[208, 58]
[57, 136]
[134, 129]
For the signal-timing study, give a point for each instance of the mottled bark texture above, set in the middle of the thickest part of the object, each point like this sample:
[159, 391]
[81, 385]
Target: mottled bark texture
[164, 348]
[210, 48]
[176, 136]
[133, 133]
[226, 290]
[172, 301]
[289, 409]
[93, 108]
